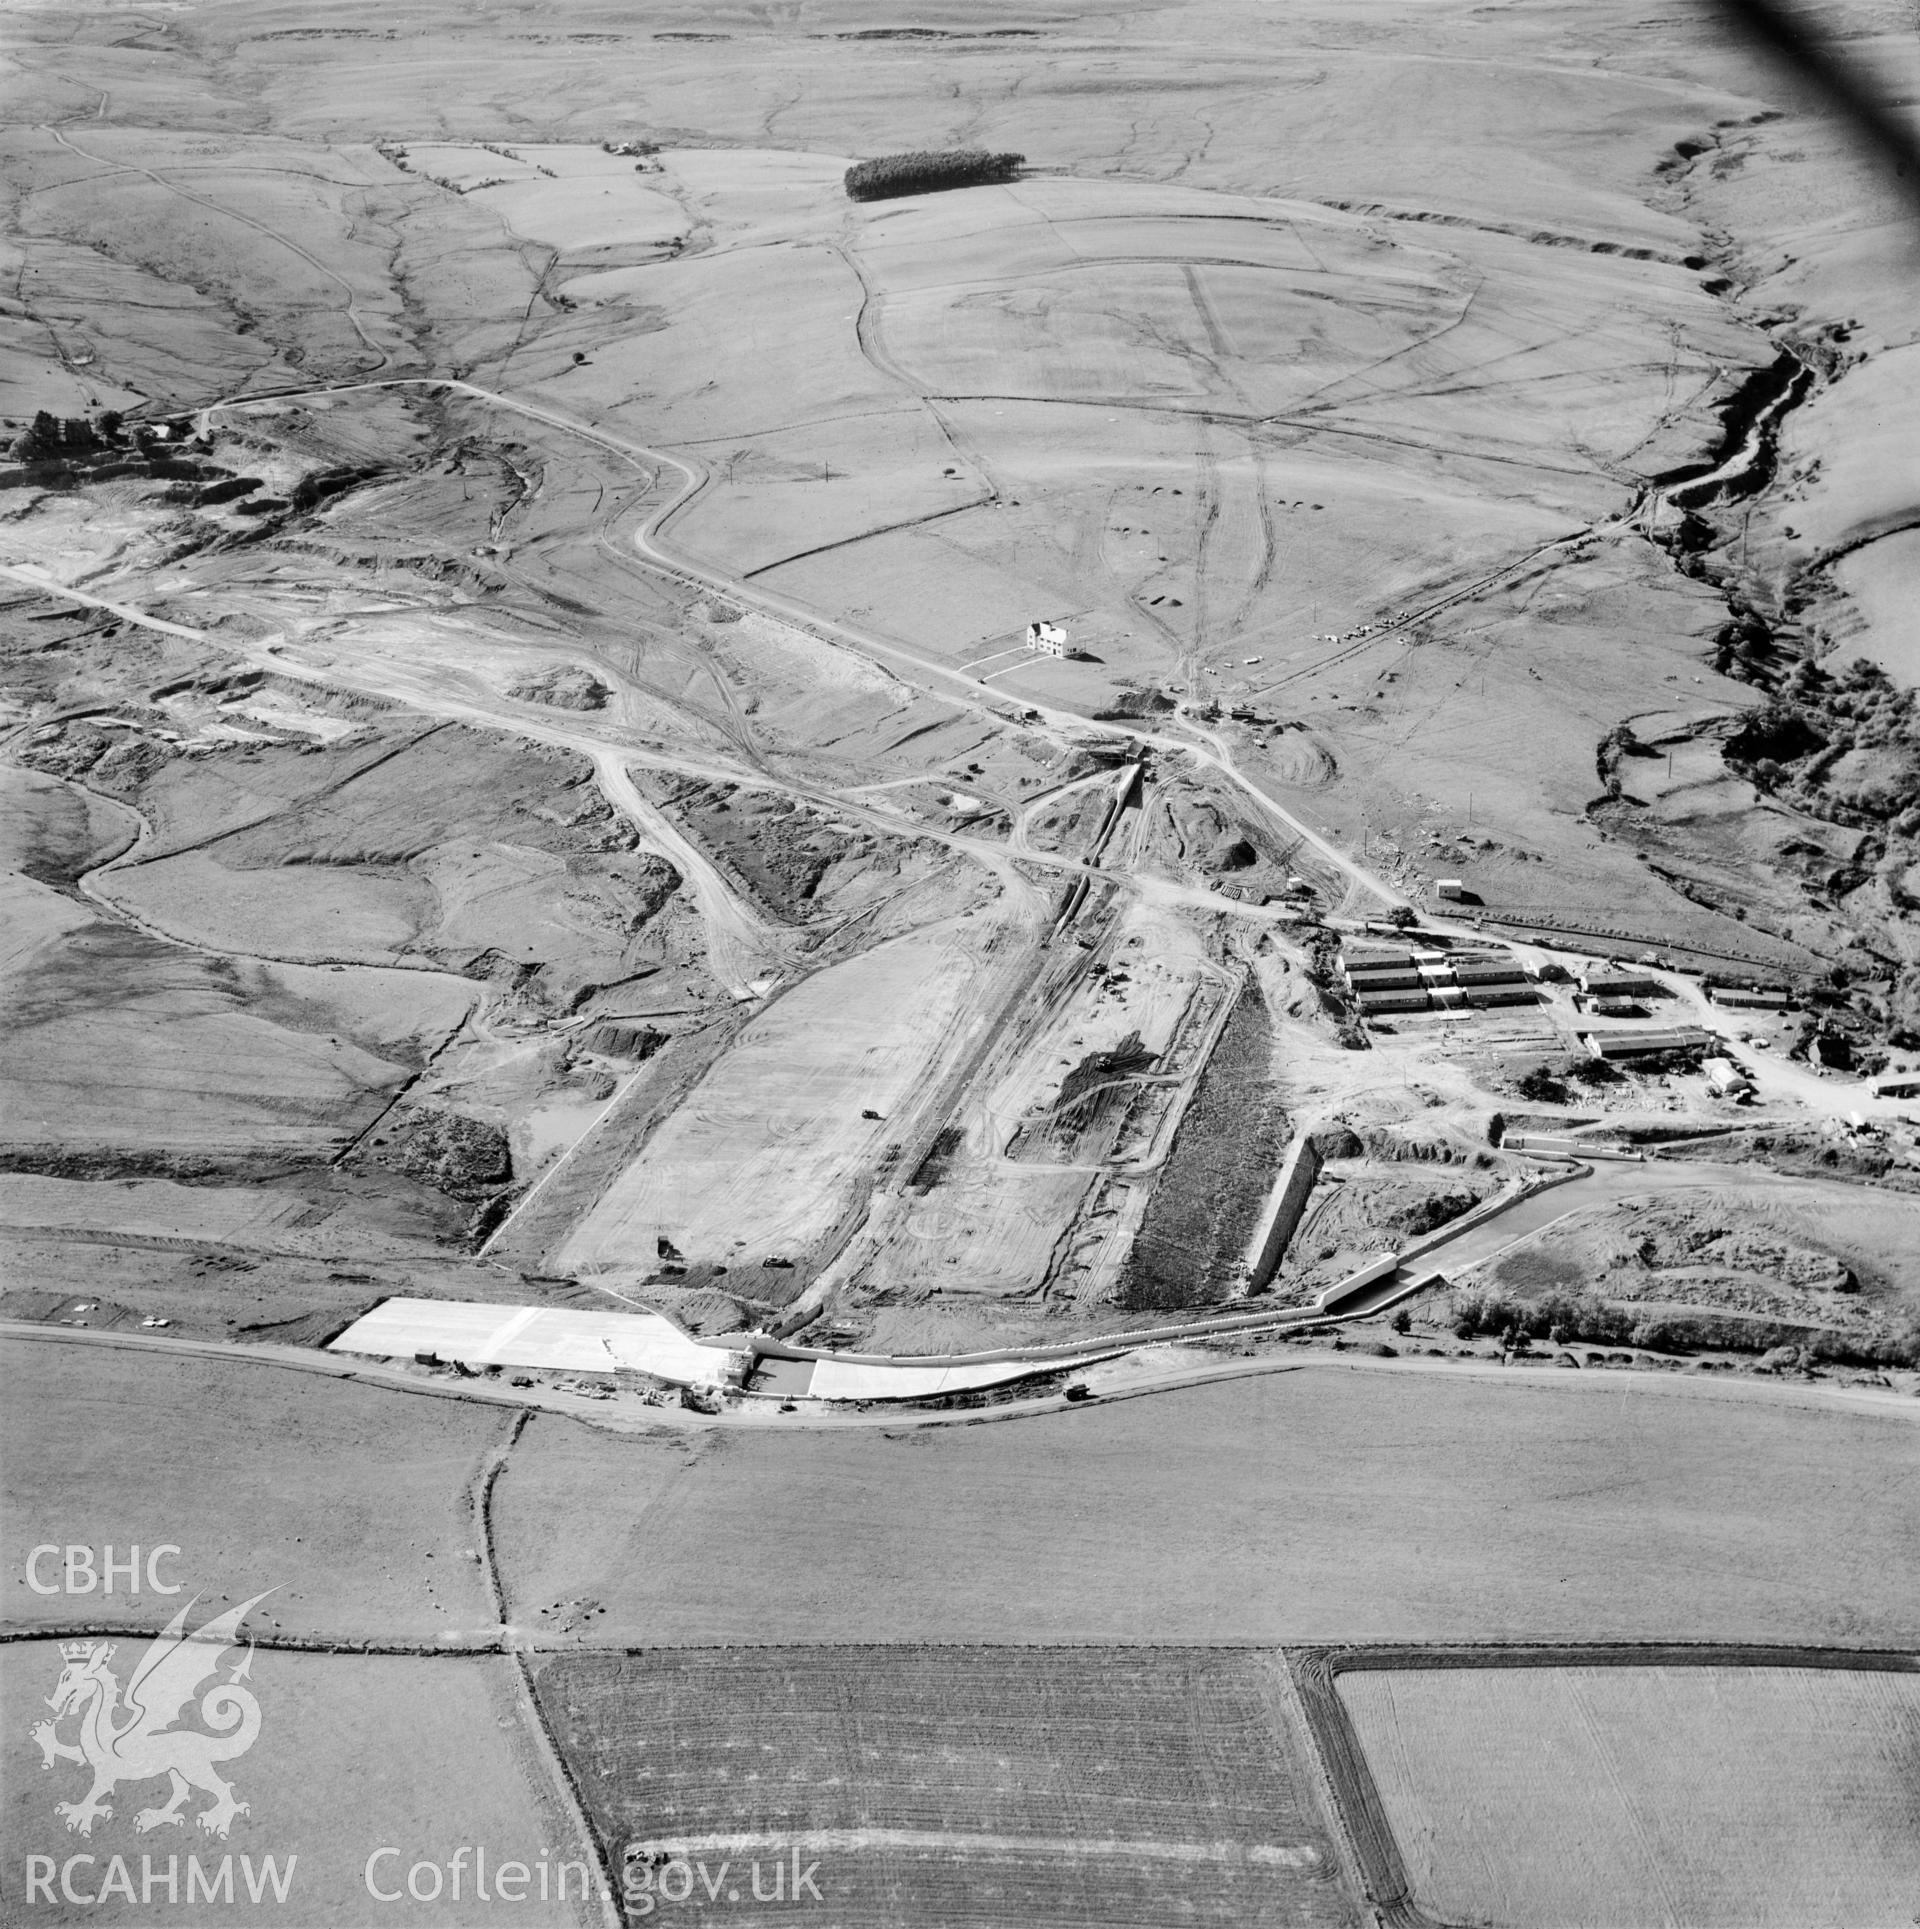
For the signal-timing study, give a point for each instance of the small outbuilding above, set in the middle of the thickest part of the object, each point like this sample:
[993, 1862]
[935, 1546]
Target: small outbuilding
[1647, 1044]
[1372, 1002]
[1384, 978]
[1486, 969]
[1601, 981]
[1735, 998]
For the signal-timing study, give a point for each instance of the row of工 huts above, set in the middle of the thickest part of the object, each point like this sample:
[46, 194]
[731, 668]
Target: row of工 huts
[1386, 980]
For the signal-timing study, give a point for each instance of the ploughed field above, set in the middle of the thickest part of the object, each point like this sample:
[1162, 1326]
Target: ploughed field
[960, 1786]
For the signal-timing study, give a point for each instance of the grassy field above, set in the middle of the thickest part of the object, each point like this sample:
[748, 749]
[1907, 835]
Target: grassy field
[433, 844]
[153, 1208]
[1212, 377]
[215, 1062]
[963, 1786]
[1320, 1503]
[116, 1280]
[1706, 1797]
[354, 1754]
[263, 1477]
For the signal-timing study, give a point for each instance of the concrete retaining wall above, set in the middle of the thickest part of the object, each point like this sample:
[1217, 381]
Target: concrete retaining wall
[1285, 1204]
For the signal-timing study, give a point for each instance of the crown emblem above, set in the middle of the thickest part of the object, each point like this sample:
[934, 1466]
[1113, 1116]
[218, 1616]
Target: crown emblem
[76, 1650]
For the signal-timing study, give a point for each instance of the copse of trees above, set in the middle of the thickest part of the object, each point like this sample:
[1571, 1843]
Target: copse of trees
[928, 172]
[57, 438]
[1542, 1087]
[1844, 746]
[1562, 1318]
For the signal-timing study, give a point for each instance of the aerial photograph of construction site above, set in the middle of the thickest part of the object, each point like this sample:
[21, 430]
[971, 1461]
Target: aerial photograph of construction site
[962, 963]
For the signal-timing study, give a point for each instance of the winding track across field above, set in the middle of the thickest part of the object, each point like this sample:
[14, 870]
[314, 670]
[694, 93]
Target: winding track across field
[350, 308]
[649, 542]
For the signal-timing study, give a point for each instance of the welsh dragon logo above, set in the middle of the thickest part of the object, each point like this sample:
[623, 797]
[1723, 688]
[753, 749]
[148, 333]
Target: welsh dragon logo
[135, 1740]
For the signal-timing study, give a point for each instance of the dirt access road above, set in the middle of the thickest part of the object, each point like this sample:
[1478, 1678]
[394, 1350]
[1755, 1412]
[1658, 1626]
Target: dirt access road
[742, 946]
[1133, 1374]
[649, 542]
